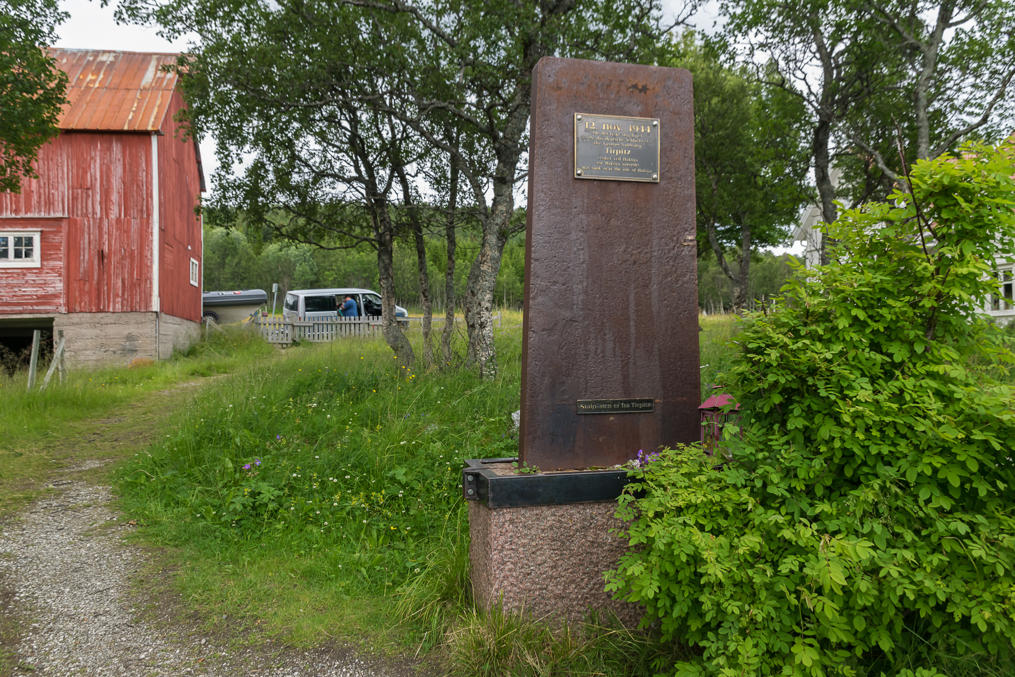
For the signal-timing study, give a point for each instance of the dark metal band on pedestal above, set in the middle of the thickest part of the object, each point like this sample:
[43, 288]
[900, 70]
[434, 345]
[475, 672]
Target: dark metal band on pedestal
[480, 483]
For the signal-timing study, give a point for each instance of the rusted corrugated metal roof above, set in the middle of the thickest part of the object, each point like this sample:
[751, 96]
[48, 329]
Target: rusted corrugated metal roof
[115, 91]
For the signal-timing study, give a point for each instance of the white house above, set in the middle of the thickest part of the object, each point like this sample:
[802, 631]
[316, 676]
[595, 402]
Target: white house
[1001, 306]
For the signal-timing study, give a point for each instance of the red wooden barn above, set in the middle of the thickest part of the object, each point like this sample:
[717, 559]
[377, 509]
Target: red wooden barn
[105, 245]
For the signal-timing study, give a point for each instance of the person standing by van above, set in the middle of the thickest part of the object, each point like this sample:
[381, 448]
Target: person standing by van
[348, 307]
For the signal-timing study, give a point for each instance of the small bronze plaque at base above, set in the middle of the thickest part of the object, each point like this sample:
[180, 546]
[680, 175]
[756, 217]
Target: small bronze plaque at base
[629, 406]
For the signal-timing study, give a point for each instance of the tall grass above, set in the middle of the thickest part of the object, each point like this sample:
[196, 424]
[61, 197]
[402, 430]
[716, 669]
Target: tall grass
[716, 348]
[494, 643]
[32, 415]
[329, 479]
[44, 431]
[312, 493]
[321, 492]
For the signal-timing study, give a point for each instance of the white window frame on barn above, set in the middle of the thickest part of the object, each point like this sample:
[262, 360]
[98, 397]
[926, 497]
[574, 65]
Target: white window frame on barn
[195, 273]
[13, 247]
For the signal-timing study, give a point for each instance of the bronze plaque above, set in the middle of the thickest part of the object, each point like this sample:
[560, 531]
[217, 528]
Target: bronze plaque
[611, 300]
[616, 147]
[638, 405]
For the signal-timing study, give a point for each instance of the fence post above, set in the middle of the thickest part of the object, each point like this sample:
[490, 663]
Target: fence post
[33, 364]
[62, 369]
[57, 359]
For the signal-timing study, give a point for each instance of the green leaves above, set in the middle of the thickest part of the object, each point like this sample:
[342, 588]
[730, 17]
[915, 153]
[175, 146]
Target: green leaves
[864, 521]
[31, 86]
[750, 158]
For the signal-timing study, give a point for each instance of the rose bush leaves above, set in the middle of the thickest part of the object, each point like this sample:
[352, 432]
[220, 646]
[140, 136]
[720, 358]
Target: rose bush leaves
[864, 522]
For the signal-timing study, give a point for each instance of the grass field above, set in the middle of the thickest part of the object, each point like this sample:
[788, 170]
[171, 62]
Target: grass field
[43, 431]
[313, 495]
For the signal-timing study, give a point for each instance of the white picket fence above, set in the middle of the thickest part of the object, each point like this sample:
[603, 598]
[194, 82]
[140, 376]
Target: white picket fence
[283, 333]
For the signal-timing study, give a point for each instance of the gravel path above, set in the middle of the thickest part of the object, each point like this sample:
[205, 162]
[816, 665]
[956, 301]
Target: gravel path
[66, 571]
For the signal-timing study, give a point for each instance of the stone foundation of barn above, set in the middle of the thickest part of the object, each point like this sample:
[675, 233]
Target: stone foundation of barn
[109, 339]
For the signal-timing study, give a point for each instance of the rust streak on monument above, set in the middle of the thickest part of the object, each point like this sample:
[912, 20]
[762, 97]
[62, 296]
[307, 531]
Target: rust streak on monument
[610, 348]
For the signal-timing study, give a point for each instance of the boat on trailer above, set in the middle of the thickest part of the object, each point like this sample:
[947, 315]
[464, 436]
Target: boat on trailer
[225, 307]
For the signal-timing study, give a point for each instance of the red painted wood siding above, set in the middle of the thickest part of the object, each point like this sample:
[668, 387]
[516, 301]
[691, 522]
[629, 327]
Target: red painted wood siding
[35, 290]
[38, 290]
[46, 195]
[179, 224]
[93, 203]
[108, 262]
[102, 182]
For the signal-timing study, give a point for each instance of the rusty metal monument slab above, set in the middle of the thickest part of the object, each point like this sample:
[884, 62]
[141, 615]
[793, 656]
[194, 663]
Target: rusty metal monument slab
[610, 335]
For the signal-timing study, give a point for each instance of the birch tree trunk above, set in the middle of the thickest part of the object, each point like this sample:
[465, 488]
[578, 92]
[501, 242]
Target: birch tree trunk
[450, 295]
[393, 334]
[496, 229]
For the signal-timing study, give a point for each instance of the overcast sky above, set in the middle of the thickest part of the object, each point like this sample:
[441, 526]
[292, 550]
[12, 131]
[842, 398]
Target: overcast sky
[91, 26]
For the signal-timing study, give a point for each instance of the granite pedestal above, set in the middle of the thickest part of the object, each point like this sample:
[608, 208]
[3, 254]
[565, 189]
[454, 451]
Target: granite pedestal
[540, 543]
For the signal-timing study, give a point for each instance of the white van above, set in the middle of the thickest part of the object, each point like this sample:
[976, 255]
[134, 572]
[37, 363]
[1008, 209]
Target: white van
[310, 304]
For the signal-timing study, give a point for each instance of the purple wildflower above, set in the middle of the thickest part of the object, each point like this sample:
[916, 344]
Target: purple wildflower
[246, 467]
[643, 459]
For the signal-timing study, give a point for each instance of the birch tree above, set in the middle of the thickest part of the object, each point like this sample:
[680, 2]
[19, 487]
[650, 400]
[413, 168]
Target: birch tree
[929, 72]
[750, 160]
[473, 68]
[959, 63]
[306, 139]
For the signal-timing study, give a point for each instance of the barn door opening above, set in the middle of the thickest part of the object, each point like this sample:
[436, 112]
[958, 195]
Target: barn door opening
[16, 343]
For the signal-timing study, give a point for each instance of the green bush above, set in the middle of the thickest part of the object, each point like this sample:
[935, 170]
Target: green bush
[864, 521]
